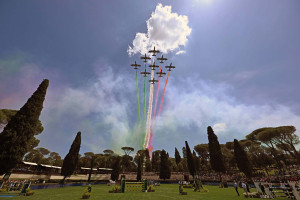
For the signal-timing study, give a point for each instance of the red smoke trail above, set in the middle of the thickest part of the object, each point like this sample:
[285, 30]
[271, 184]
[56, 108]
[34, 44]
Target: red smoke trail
[162, 99]
[150, 147]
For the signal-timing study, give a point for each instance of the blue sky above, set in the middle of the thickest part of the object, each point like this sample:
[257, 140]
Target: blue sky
[239, 70]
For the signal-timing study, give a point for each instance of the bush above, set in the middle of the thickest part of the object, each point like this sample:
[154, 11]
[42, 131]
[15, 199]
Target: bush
[29, 192]
[2, 190]
[86, 194]
[115, 189]
[151, 188]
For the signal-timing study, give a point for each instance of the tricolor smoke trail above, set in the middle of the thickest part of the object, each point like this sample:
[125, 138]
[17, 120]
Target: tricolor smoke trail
[150, 147]
[138, 97]
[144, 115]
[148, 125]
[162, 99]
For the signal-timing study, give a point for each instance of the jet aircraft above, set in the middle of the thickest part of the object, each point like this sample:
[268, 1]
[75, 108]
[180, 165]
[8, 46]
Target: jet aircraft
[145, 58]
[162, 59]
[154, 51]
[136, 66]
[152, 81]
[170, 67]
[145, 73]
[153, 66]
[160, 73]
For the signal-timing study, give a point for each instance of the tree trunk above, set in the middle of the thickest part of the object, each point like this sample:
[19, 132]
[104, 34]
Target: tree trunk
[221, 181]
[63, 180]
[91, 170]
[266, 169]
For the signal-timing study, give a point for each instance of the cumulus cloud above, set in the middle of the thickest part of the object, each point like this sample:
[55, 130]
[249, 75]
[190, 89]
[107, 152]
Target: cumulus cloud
[166, 30]
[180, 52]
[219, 127]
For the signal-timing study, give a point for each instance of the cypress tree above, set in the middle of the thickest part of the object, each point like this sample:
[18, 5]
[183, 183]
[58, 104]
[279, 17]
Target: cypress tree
[196, 162]
[190, 159]
[116, 169]
[15, 140]
[148, 167]
[177, 156]
[242, 160]
[71, 159]
[165, 170]
[139, 169]
[216, 157]
[155, 162]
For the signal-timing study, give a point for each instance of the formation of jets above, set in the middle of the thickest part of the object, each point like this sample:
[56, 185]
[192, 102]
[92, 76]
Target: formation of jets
[153, 66]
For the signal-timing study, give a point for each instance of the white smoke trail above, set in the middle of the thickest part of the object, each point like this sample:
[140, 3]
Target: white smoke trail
[148, 124]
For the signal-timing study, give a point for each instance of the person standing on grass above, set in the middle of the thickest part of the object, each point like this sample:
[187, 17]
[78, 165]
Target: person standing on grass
[236, 185]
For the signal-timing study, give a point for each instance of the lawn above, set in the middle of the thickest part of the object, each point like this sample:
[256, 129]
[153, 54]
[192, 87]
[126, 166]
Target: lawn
[165, 191]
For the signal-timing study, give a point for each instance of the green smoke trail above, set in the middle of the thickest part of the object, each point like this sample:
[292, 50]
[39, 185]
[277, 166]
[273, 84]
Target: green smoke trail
[138, 98]
[144, 115]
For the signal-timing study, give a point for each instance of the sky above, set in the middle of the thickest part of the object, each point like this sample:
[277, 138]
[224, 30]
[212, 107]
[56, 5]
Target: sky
[237, 67]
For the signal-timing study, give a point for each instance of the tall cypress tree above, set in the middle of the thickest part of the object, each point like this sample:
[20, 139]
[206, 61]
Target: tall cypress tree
[71, 159]
[139, 169]
[216, 157]
[190, 159]
[165, 170]
[242, 159]
[19, 132]
[148, 167]
[177, 156]
[116, 169]
[196, 162]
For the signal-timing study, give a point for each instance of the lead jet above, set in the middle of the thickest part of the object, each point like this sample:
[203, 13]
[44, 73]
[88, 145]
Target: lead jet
[136, 66]
[162, 59]
[145, 73]
[153, 66]
[170, 67]
[145, 58]
[160, 73]
[154, 51]
[152, 81]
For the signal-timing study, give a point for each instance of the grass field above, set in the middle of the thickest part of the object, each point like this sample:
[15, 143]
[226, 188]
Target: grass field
[165, 191]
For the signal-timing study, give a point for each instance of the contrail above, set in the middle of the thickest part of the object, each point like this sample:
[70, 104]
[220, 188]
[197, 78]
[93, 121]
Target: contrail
[148, 125]
[143, 131]
[162, 99]
[150, 147]
[138, 97]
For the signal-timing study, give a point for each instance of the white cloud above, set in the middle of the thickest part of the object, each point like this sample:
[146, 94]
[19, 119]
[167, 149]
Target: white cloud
[219, 127]
[180, 52]
[191, 106]
[166, 30]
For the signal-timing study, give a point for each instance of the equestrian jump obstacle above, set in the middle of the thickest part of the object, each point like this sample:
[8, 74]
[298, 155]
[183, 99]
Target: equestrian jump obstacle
[289, 190]
[133, 186]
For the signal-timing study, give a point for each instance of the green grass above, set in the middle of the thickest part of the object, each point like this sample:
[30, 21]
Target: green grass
[165, 191]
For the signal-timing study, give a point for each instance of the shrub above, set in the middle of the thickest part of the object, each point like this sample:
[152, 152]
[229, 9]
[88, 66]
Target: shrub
[29, 192]
[86, 194]
[115, 189]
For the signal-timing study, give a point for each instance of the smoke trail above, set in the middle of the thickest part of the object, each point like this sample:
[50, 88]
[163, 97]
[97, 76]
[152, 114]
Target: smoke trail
[138, 97]
[147, 137]
[144, 116]
[150, 147]
[162, 99]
